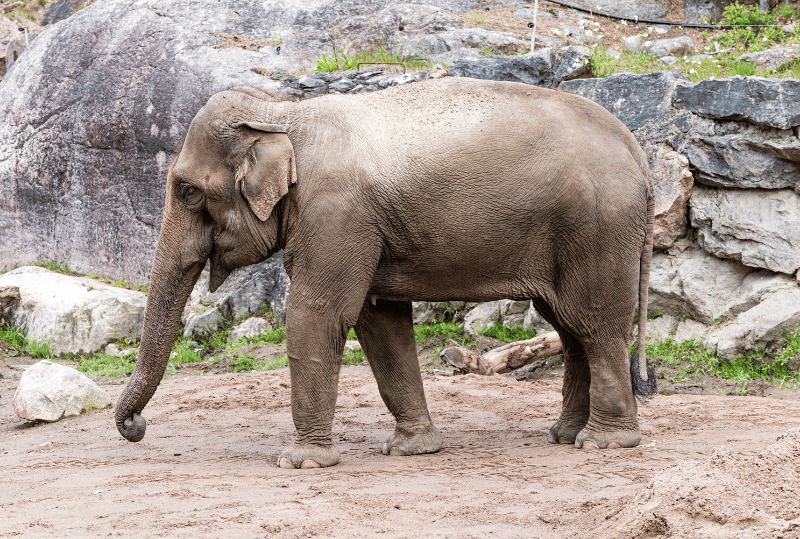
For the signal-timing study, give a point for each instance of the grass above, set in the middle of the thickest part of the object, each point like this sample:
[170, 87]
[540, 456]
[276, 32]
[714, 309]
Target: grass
[476, 18]
[17, 339]
[95, 365]
[507, 333]
[450, 331]
[339, 61]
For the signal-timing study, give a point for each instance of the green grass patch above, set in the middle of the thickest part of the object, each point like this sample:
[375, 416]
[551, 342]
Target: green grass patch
[247, 364]
[448, 330]
[17, 339]
[94, 365]
[507, 333]
[340, 61]
[353, 357]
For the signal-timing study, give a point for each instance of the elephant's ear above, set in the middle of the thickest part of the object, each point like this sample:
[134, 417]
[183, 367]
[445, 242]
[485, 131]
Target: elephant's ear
[269, 168]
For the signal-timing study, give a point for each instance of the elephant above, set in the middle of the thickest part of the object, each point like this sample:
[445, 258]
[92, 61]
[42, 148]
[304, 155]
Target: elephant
[445, 189]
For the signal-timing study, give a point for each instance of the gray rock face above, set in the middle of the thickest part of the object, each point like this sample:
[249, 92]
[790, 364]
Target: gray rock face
[676, 46]
[746, 160]
[48, 391]
[246, 291]
[634, 99]
[426, 45]
[672, 183]
[250, 328]
[512, 313]
[424, 312]
[705, 11]
[74, 314]
[765, 102]
[61, 10]
[760, 228]
[694, 285]
[773, 58]
[481, 317]
[545, 67]
[533, 321]
[759, 328]
[649, 9]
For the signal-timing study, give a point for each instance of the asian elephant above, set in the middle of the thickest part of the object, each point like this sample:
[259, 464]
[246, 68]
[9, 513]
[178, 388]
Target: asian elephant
[448, 189]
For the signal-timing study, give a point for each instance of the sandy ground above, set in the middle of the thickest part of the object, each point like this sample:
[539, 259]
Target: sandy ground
[207, 467]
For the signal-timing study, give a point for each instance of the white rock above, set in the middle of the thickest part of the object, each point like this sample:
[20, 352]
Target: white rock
[48, 391]
[200, 319]
[633, 43]
[533, 321]
[658, 329]
[74, 314]
[709, 290]
[689, 330]
[512, 313]
[252, 327]
[759, 227]
[352, 345]
[758, 328]
[481, 317]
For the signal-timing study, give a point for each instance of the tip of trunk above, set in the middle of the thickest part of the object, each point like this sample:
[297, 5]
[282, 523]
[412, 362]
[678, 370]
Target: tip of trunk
[132, 428]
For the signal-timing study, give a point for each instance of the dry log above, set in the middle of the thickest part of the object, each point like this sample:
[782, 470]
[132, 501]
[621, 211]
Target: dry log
[506, 358]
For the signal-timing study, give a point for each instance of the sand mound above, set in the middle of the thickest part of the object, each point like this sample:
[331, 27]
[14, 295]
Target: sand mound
[726, 496]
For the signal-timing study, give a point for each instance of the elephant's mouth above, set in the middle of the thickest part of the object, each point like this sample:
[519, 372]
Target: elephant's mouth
[219, 270]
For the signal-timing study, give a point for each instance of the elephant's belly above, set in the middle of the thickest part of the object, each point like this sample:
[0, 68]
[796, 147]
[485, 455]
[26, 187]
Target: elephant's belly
[455, 284]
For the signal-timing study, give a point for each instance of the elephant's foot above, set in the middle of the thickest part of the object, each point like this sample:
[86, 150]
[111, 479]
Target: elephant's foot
[590, 438]
[564, 431]
[413, 440]
[309, 456]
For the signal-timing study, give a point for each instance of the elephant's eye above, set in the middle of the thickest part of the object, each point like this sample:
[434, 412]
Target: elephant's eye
[189, 193]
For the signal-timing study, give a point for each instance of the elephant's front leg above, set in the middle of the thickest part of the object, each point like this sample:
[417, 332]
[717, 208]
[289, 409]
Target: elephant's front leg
[315, 342]
[386, 333]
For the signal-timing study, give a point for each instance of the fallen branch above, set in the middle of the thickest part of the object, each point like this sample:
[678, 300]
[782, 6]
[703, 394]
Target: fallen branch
[506, 358]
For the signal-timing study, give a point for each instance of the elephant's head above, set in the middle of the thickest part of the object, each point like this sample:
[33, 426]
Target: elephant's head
[222, 205]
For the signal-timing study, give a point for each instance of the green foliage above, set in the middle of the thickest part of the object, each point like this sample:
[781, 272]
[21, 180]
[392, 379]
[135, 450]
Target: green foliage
[118, 284]
[342, 62]
[476, 17]
[186, 352]
[351, 335]
[17, 339]
[507, 333]
[247, 364]
[353, 357]
[52, 266]
[745, 69]
[602, 63]
[94, 365]
[756, 38]
[448, 330]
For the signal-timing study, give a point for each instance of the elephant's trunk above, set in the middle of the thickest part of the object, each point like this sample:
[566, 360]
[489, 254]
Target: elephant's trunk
[170, 286]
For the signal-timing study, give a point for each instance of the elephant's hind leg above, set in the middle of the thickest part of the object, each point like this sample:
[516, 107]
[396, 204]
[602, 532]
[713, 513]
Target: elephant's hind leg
[575, 391]
[386, 333]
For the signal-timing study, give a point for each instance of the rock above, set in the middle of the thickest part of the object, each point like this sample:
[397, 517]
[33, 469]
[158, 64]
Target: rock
[772, 59]
[751, 158]
[512, 313]
[672, 183]
[574, 34]
[545, 67]
[352, 346]
[48, 391]
[342, 85]
[692, 284]
[633, 43]
[107, 95]
[9, 297]
[201, 320]
[9, 31]
[668, 60]
[62, 9]
[760, 228]
[659, 329]
[481, 317]
[73, 314]
[250, 328]
[689, 330]
[248, 290]
[634, 99]
[310, 81]
[676, 46]
[424, 312]
[426, 45]
[533, 321]
[765, 102]
[759, 328]
[704, 11]
[647, 9]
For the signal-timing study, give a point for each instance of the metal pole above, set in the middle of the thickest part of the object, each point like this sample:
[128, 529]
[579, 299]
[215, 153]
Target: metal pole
[535, 15]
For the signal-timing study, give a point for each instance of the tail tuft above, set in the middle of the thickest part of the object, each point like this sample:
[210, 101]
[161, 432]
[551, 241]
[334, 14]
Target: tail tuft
[641, 389]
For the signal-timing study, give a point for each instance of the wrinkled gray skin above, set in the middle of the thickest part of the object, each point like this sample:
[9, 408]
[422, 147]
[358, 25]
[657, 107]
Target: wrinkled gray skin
[454, 189]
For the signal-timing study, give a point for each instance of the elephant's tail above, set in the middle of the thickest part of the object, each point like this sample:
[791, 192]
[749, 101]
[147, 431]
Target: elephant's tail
[643, 377]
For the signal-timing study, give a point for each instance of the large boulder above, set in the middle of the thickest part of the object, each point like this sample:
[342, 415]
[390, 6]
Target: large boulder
[48, 391]
[647, 9]
[691, 284]
[73, 314]
[545, 67]
[62, 9]
[765, 102]
[759, 228]
[672, 184]
[634, 99]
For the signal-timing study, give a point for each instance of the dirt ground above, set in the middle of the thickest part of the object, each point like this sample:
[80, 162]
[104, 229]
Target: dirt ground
[708, 466]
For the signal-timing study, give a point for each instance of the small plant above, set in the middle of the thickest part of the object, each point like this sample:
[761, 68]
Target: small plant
[353, 357]
[17, 339]
[186, 352]
[476, 18]
[507, 333]
[94, 365]
[745, 69]
[342, 62]
[448, 330]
